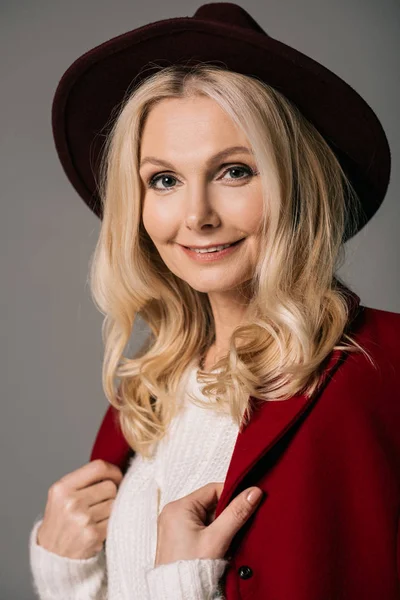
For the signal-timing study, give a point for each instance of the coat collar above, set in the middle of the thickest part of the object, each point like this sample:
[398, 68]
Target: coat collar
[263, 431]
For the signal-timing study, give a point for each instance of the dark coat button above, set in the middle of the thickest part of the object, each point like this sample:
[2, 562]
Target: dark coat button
[245, 572]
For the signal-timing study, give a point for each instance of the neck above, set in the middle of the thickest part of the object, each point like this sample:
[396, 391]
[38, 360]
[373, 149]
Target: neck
[229, 309]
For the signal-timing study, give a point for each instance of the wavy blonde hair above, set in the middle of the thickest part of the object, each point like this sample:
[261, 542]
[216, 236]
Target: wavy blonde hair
[297, 313]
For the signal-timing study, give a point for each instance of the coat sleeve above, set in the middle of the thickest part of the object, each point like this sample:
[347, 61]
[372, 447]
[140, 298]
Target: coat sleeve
[195, 579]
[57, 577]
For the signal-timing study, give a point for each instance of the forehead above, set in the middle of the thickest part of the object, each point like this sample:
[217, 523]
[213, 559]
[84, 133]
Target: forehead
[190, 125]
[175, 108]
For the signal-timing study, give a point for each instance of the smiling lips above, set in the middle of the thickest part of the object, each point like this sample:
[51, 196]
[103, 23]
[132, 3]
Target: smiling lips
[211, 245]
[211, 255]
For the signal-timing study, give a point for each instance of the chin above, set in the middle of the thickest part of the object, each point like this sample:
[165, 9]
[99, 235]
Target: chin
[210, 287]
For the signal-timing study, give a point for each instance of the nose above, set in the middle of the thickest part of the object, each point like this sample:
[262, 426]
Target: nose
[200, 211]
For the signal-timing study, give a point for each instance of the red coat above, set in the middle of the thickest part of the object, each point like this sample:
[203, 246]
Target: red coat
[328, 527]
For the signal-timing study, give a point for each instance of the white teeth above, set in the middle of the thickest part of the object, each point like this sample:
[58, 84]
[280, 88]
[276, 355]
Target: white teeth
[215, 249]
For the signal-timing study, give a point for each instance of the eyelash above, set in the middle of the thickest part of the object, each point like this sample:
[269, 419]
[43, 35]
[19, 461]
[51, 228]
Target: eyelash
[151, 182]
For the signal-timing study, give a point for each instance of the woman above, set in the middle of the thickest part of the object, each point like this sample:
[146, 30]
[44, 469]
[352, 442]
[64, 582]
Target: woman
[300, 403]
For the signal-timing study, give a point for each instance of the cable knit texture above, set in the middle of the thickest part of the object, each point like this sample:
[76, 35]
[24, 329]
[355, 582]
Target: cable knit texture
[196, 450]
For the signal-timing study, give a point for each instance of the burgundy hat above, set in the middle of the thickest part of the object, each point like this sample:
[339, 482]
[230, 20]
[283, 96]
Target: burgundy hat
[224, 34]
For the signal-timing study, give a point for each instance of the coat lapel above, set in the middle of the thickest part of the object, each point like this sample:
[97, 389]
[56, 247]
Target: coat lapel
[269, 422]
[110, 444]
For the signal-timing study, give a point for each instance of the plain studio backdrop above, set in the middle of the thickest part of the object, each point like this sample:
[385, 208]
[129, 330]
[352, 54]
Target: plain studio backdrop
[52, 399]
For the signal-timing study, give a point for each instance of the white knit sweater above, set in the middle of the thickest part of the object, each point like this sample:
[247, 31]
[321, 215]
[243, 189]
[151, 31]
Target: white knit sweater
[197, 450]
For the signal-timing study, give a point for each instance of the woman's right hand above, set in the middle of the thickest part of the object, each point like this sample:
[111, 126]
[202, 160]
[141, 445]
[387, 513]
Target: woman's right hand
[78, 508]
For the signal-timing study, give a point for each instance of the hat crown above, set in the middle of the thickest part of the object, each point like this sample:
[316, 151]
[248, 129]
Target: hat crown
[222, 33]
[227, 13]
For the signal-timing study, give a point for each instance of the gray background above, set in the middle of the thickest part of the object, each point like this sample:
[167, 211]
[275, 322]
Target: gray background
[52, 400]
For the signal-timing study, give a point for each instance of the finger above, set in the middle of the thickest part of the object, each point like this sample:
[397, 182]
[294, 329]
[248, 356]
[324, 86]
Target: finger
[233, 517]
[101, 511]
[207, 496]
[92, 472]
[98, 492]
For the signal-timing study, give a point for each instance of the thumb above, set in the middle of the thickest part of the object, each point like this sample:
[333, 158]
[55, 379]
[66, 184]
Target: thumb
[234, 516]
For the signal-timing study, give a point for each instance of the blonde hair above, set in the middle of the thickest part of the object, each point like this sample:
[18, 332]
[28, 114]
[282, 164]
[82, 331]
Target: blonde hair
[297, 314]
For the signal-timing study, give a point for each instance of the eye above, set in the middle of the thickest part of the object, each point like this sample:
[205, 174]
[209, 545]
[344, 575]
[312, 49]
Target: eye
[152, 181]
[249, 172]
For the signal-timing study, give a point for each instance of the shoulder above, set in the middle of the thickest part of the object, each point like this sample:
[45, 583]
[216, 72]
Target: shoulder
[379, 317]
[378, 331]
[369, 392]
[374, 381]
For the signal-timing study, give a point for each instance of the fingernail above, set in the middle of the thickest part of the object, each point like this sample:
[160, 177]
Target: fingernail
[254, 495]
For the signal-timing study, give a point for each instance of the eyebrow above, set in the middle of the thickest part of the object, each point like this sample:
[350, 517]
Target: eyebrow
[213, 159]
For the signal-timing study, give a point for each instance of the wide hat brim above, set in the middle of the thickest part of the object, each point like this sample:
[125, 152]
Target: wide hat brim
[226, 35]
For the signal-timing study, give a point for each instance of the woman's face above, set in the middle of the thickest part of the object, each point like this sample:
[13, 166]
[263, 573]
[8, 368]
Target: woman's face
[198, 200]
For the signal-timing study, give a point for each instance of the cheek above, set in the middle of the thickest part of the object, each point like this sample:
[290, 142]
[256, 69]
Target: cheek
[157, 220]
[250, 220]
[248, 210]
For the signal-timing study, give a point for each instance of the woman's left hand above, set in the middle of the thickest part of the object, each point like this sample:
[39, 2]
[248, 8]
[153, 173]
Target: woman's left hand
[186, 528]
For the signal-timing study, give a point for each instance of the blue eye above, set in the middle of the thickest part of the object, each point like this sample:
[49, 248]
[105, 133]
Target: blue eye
[151, 183]
[153, 180]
